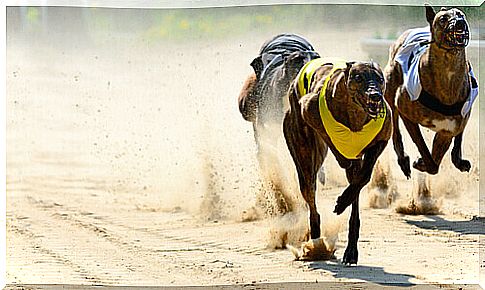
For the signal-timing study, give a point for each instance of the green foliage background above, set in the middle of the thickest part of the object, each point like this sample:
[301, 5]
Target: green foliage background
[216, 23]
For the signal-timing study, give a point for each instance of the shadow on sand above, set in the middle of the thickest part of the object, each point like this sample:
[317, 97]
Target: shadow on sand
[370, 274]
[475, 226]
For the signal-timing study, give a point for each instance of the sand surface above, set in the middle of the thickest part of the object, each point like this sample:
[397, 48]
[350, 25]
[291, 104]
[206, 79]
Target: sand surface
[129, 164]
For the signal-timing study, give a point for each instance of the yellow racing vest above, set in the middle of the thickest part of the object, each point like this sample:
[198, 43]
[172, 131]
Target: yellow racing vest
[350, 144]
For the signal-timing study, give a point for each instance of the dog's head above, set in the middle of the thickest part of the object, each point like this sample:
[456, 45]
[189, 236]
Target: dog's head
[449, 27]
[294, 61]
[365, 84]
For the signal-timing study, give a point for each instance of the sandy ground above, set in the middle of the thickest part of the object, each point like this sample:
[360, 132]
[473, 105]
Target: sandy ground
[129, 164]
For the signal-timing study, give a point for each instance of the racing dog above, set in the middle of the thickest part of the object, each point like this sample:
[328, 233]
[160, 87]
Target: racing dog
[262, 102]
[431, 83]
[338, 105]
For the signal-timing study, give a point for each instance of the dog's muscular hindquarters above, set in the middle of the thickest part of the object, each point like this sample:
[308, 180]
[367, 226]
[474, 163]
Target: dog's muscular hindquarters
[352, 94]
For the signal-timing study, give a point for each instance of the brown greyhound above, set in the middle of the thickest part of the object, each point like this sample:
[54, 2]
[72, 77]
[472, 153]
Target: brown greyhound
[445, 90]
[337, 105]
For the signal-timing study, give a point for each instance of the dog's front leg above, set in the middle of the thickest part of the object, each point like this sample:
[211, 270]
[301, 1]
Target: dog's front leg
[441, 143]
[359, 177]
[456, 158]
[426, 163]
[351, 254]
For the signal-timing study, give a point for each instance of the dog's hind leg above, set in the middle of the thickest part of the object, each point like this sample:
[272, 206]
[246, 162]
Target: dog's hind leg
[456, 158]
[306, 150]
[426, 163]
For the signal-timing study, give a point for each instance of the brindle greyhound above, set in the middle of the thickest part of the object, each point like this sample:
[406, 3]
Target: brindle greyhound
[337, 105]
[446, 82]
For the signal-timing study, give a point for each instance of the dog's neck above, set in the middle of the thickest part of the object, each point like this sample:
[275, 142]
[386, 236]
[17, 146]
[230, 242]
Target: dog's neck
[343, 107]
[444, 75]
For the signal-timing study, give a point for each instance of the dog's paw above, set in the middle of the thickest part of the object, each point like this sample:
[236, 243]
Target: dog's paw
[346, 198]
[404, 163]
[341, 205]
[463, 165]
[351, 256]
[420, 165]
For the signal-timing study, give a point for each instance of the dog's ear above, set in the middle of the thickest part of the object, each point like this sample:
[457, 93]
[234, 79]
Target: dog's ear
[257, 65]
[347, 69]
[430, 14]
[375, 66]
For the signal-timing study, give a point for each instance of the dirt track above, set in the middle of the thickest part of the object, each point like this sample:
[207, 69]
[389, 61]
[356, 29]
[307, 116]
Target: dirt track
[130, 165]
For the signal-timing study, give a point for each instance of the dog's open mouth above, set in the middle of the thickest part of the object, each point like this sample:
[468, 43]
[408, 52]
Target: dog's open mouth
[457, 38]
[373, 108]
[457, 34]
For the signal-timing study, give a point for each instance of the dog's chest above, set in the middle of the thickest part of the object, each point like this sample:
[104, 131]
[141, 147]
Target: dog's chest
[447, 124]
[450, 125]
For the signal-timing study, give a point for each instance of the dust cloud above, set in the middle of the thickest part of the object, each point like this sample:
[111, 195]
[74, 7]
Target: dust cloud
[422, 201]
[382, 190]
[156, 124]
[156, 121]
[292, 231]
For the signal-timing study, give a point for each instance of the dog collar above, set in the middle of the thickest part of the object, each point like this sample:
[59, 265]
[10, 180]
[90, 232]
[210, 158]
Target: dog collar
[349, 143]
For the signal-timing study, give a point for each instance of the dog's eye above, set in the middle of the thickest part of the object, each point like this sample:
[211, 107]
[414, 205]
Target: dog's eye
[358, 78]
[443, 20]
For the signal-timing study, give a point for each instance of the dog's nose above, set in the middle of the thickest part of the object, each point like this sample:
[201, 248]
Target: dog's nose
[460, 24]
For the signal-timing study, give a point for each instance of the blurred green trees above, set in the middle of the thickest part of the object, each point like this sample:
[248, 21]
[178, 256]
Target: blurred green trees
[202, 23]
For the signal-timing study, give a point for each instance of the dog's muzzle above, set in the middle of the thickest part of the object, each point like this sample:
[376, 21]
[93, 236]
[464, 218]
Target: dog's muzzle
[456, 34]
[374, 103]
